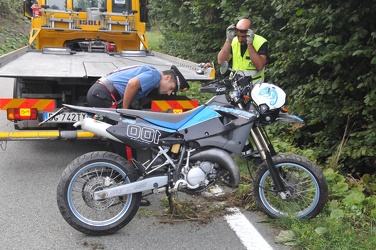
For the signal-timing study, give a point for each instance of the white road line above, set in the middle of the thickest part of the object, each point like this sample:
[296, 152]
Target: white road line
[247, 233]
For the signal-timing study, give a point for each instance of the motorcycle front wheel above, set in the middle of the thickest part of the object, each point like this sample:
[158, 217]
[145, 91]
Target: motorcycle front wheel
[92, 172]
[306, 188]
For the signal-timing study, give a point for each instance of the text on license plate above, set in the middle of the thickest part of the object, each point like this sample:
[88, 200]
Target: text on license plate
[65, 117]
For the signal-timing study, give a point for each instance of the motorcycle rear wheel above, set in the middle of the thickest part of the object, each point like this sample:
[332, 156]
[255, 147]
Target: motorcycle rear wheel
[307, 189]
[89, 173]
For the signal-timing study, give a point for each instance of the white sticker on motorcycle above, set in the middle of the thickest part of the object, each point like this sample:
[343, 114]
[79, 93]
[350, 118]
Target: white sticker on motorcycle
[144, 134]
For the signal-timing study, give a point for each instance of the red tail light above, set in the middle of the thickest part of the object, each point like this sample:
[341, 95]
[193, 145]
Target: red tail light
[19, 114]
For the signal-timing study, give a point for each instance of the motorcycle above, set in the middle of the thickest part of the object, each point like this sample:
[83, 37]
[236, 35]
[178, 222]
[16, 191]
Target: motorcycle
[100, 192]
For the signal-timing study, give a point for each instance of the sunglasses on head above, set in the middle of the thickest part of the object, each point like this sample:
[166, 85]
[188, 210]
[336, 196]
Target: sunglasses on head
[241, 31]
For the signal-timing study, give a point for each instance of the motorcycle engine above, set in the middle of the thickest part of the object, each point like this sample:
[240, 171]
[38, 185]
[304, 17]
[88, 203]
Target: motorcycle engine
[201, 173]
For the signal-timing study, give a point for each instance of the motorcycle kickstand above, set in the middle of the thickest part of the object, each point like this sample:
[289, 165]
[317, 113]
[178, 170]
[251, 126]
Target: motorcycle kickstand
[170, 200]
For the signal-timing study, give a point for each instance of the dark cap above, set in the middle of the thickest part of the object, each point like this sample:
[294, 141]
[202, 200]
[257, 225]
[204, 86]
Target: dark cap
[182, 84]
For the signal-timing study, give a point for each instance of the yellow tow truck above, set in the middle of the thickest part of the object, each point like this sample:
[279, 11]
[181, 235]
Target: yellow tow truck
[72, 43]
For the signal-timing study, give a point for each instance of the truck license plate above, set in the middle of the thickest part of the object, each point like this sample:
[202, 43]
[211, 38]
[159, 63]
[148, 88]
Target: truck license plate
[65, 117]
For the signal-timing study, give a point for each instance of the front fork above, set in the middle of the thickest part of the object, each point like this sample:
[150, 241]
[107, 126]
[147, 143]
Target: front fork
[266, 155]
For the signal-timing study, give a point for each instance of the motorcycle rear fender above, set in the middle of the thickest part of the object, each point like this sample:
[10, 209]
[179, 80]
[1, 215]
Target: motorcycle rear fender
[108, 113]
[223, 159]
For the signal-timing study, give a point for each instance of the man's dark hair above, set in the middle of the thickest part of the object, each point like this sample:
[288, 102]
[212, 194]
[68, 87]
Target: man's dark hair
[170, 73]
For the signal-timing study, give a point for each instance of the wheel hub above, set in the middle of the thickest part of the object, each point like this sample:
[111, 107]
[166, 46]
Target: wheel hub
[93, 185]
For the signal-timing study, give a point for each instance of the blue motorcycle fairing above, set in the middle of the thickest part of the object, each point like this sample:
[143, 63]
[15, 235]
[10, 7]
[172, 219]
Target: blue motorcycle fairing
[216, 131]
[167, 120]
[201, 114]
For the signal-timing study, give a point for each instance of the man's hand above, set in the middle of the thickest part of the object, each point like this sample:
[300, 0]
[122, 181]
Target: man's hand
[250, 36]
[230, 33]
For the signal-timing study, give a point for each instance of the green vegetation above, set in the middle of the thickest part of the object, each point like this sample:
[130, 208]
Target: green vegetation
[13, 7]
[155, 39]
[322, 53]
[11, 41]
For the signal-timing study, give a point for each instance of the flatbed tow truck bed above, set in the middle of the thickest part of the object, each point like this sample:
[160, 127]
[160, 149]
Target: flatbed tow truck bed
[64, 63]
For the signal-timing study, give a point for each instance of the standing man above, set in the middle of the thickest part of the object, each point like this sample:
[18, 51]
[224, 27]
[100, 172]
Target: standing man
[245, 50]
[121, 87]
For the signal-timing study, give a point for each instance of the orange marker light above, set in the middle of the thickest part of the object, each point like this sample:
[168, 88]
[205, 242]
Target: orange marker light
[284, 109]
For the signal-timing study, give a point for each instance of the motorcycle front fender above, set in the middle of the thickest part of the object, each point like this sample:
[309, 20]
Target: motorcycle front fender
[285, 117]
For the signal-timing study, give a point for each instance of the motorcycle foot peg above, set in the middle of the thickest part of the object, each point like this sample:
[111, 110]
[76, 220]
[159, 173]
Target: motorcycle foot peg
[144, 202]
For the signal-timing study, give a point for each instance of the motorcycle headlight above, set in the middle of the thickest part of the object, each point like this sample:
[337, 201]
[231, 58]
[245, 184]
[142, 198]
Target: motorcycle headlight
[267, 115]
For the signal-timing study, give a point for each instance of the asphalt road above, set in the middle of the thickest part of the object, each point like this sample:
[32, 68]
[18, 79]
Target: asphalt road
[30, 219]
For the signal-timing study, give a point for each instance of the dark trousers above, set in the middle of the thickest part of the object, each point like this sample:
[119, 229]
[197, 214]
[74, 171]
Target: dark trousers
[99, 97]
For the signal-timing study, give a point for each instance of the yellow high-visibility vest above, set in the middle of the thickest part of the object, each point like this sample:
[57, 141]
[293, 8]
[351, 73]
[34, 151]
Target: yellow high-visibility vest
[244, 62]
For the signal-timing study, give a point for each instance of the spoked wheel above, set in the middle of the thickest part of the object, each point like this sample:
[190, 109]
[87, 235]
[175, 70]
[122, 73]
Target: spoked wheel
[87, 174]
[306, 188]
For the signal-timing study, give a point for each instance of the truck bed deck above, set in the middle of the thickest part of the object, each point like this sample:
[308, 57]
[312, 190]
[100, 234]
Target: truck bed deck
[60, 63]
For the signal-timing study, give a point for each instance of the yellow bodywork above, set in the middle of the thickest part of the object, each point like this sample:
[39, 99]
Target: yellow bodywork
[45, 135]
[55, 27]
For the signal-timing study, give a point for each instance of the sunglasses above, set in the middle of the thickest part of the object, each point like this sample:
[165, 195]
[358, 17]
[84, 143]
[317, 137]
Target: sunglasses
[241, 31]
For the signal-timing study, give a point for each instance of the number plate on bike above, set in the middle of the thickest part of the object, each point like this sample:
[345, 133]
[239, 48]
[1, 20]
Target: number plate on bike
[64, 117]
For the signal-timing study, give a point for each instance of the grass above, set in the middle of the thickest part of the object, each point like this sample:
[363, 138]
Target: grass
[14, 30]
[155, 39]
[11, 41]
